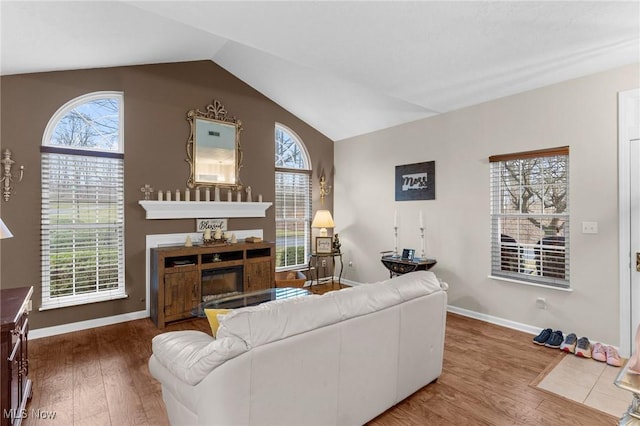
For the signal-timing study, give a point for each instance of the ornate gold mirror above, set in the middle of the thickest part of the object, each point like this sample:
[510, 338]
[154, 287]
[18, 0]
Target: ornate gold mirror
[213, 148]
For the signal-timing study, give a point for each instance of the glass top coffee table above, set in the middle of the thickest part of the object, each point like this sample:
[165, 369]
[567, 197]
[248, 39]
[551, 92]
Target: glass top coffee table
[241, 300]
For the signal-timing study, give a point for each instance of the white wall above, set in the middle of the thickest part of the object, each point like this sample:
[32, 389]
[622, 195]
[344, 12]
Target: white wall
[581, 113]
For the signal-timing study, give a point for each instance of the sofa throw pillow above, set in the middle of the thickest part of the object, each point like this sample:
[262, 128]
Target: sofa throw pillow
[212, 316]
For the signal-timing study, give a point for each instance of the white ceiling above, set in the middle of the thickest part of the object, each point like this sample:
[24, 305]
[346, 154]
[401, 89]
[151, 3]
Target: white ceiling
[346, 68]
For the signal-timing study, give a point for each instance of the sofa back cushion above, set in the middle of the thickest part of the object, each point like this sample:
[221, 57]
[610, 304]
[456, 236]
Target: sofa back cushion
[276, 320]
[271, 321]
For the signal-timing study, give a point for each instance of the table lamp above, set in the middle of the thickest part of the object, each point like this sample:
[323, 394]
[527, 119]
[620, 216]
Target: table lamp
[4, 231]
[322, 220]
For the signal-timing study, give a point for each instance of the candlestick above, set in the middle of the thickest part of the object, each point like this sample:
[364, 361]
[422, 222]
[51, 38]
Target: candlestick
[187, 195]
[422, 254]
[395, 241]
[197, 194]
[159, 195]
[207, 194]
[168, 195]
[229, 196]
[239, 196]
[216, 194]
[177, 195]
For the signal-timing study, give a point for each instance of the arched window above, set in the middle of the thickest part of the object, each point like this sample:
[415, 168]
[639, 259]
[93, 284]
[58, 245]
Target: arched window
[82, 228]
[293, 199]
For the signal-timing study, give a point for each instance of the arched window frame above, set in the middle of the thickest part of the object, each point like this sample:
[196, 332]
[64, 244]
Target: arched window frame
[82, 219]
[293, 205]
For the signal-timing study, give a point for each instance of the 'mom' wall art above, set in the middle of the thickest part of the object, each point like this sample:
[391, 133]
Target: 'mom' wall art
[416, 181]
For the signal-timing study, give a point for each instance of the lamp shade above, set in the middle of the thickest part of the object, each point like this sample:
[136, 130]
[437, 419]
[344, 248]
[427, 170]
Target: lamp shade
[323, 220]
[4, 231]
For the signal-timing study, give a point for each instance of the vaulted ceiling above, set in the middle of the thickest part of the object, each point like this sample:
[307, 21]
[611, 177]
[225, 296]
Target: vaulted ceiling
[346, 68]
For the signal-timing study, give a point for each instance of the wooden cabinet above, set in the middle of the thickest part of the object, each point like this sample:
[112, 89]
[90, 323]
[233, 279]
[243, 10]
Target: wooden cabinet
[182, 276]
[259, 275]
[181, 293]
[16, 385]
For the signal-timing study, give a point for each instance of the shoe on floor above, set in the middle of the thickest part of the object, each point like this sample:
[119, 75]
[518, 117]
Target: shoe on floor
[542, 338]
[598, 352]
[555, 340]
[613, 358]
[569, 344]
[583, 348]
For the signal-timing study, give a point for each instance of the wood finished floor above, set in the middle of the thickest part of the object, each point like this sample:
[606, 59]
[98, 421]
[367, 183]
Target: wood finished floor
[100, 377]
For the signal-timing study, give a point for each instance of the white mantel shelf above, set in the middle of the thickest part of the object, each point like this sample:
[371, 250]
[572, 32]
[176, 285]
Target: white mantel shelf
[202, 209]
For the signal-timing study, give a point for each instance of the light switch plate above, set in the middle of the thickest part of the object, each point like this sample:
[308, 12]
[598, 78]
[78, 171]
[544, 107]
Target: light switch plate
[589, 227]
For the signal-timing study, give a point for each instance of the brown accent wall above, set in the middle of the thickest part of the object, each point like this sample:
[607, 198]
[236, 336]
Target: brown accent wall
[156, 99]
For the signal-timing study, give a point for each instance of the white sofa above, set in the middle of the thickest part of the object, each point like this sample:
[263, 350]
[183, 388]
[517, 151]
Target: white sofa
[337, 359]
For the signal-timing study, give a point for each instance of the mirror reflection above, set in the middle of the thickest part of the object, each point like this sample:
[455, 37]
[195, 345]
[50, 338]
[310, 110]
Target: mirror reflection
[215, 152]
[213, 148]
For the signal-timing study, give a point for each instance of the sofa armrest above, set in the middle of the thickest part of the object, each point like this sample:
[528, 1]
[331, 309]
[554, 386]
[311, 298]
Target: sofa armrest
[191, 355]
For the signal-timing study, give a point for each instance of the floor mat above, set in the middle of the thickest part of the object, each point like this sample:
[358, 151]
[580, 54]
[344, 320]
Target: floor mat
[585, 381]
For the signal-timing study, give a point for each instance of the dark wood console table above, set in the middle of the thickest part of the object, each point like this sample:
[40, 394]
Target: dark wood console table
[398, 266]
[14, 361]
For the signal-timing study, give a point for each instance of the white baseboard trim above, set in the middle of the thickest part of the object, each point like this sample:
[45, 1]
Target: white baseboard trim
[348, 282]
[494, 320]
[39, 333]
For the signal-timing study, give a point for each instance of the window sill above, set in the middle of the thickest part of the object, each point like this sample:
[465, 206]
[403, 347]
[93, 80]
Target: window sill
[77, 301]
[550, 287]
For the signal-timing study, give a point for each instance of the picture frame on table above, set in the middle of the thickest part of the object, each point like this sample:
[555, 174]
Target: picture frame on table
[324, 245]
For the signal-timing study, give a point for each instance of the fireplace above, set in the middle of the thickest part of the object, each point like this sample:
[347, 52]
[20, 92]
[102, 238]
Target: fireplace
[221, 282]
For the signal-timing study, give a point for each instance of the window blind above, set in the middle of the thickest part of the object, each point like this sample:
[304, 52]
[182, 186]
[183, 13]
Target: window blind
[82, 229]
[530, 217]
[293, 217]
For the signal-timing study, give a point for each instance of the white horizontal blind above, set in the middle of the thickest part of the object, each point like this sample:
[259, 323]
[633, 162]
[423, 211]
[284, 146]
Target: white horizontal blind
[82, 230]
[293, 218]
[293, 199]
[530, 217]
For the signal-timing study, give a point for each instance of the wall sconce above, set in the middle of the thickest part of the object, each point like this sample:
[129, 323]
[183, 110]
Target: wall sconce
[324, 189]
[7, 177]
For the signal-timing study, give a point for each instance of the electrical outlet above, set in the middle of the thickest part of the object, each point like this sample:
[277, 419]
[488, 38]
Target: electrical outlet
[541, 303]
[351, 263]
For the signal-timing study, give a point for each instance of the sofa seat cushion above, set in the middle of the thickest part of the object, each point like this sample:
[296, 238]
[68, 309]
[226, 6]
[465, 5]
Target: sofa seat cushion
[190, 355]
